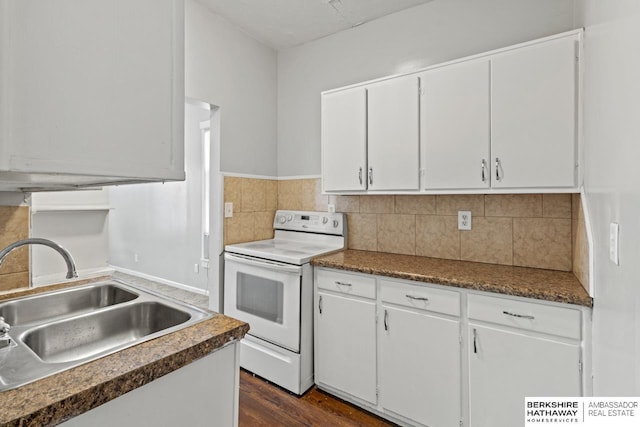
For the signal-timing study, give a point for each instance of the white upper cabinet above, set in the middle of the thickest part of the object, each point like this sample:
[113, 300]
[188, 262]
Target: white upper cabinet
[344, 140]
[502, 121]
[393, 134]
[455, 131]
[92, 92]
[370, 137]
[533, 116]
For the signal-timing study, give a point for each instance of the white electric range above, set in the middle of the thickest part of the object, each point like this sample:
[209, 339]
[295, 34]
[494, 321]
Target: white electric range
[269, 284]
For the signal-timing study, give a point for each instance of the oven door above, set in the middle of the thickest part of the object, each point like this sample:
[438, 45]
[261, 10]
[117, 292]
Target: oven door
[265, 294]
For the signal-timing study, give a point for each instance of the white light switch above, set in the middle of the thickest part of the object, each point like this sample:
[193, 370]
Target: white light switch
[228, 210]
[464, 220]
[614, 233]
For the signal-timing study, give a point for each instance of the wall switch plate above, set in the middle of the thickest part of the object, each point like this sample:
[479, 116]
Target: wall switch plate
[331, 208]
[228, 210]
[464, 220]
[614, 237]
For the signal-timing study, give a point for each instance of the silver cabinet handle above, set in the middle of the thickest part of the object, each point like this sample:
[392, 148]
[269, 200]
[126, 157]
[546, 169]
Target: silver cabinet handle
[386, 320]
[498, 166]
[475, 345]
[370, 175]
[417, 298]
[484, 168]
[343, 283]
[320, 304]
[520, 316]
[360, 175]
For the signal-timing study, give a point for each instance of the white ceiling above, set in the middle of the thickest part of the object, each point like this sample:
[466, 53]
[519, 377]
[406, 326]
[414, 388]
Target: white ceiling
[285, 23]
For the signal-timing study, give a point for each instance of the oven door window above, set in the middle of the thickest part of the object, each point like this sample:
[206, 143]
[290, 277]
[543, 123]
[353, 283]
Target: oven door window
[260, 296]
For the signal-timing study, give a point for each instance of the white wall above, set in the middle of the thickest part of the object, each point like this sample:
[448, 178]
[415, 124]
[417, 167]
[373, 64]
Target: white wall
[10, 198]
[612, 184]
[161, 223]
[84, 233]
[227, 68]
[414, 38]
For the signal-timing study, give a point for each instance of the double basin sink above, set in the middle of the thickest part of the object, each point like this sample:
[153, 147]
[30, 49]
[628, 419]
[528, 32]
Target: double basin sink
[55, 331]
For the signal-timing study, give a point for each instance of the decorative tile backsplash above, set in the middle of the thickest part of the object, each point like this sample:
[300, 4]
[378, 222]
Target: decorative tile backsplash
[529, 230]
[254, 205]
[579, 242]
[14, 225]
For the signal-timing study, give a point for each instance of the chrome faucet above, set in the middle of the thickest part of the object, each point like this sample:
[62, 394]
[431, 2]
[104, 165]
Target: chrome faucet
[5, 339]
[68, 259]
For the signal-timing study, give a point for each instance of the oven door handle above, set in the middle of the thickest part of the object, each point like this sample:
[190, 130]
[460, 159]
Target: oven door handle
[263, 263]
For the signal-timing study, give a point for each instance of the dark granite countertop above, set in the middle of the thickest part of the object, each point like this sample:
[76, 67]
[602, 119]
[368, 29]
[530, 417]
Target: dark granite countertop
[548, 285]
[60, 397]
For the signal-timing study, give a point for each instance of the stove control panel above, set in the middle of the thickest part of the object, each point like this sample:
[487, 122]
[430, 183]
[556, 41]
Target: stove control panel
[315, 222]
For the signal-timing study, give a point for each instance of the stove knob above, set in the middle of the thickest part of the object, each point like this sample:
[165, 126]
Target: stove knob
[281, 219]
[289, 217]
[336, 223]
[325, 220]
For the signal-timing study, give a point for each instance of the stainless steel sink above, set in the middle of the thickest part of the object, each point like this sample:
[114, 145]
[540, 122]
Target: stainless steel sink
[59, 330]
[66, 302]
[94, 333]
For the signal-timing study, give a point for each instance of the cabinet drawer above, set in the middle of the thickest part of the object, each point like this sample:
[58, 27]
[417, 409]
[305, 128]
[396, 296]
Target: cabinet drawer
[421, 297]
[351, 284]
[564, 322]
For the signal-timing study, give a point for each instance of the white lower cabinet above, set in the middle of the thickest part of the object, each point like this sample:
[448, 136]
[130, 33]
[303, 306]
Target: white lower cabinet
[421, 369]
[507, 366]
[519, 349]
[345, 339]
[201, 394]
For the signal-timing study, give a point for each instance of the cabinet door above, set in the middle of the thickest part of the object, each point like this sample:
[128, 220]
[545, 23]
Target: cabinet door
[420, 367]
[455, 124]
[393, 134]
[505, 367]
[533, 122]
[344, 140]
[346, 345]
[93, 88]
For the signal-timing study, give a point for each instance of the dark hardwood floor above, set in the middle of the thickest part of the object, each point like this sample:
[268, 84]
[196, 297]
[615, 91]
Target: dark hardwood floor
[264, 404]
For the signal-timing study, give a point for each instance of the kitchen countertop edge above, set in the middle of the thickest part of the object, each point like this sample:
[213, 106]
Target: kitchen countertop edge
[547, 285]
[60, 397]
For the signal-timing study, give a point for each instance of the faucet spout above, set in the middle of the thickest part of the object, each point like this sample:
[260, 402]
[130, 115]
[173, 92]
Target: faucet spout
[68, 259]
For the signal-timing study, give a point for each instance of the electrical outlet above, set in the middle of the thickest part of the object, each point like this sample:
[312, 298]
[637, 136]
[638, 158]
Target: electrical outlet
[196, 268]
[228, 210]
[464, 220]
[135, 257]
[331, 208]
